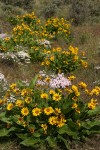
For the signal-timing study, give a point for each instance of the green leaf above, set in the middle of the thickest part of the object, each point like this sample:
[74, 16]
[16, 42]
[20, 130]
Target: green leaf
[6, 120]
[30, 141]
[66, 130]
[51, 141]
[88, 132]
[90, 124]
[3, 117]
[5, 132]
[36, 134]
[2, 114]
[94, 112]
[22, 136]
[33, 81]
[20, 84]
[72, 125]
[64, 140]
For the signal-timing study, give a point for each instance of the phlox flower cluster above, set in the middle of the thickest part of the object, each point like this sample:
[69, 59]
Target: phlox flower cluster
[53, 81]
[12, 57]
[59, 81]
[11, 99]
[23, 56]
[9, 57]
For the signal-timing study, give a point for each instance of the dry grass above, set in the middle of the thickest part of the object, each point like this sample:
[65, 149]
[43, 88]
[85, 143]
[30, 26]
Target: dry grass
[14, 73]
[87, 39]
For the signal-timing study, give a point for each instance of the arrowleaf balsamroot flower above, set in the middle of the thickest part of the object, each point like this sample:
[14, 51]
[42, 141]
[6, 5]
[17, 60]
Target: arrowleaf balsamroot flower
[74, 105]
[32, 130]
[36, 111]
[57, 111]
[94, 92]
[71, 78]
[24, 111]
[51, 92]
[61, 121]
[92, 104]
[13, 86]
[53, 120]
[48, 110]
[1, 101]
[19, 103]
[28, 100]
[44, 95]
[44, 126]
[56, 97]
[75, 89]
[82, 85]
[10, 106]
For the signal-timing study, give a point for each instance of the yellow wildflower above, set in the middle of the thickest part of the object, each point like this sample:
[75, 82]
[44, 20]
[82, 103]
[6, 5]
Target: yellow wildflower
[36, 111]
[47, 79]
[87, 91]
[75, 98]
[51, 92]
[16, 91]
[19, 103]
[78, 123]
[44, 95]
[77, 110]
[84, 64]
[57, 97]
[20, 120]
[13, 86]
[61, 121]
[44, 126]
[71, 78]
[28, 100]
[75, 89]
[24, 111]
[57, 111]
[48, 110]
[47, 63]
[94, 92]
[82, 85]
[1, 101]
[10, 106]
[52, 58]
[24, 92]
[52, 120]
[68, 90]
[31, 129]
[7, 38]
[92, 104]
[42, 64]
[74, 105]
[73, 50]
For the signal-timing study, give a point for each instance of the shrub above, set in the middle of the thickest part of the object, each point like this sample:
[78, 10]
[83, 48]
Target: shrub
[84, 11]
[79, 11]
[48, 116]
[26, 4]
[59, 60]
[50, 7]
[59, 28]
